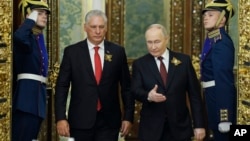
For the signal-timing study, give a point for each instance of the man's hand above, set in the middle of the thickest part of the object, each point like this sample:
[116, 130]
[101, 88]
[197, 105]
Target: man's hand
[156, 97]
[126, 126]
[199, 134]
[62, 127]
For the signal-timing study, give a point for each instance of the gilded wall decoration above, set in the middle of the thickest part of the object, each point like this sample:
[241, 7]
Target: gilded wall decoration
[5, 68]
[48, 129]
[197, 34]
[115, 16]
[177, 25]
[244, 63]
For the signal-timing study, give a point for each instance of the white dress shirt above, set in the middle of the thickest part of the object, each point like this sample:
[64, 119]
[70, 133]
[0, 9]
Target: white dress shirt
[165, 60]
[92, 52]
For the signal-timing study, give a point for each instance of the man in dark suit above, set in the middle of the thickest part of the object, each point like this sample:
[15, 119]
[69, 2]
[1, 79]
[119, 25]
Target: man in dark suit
[30, 70]
[217, 66]
[95, 109]
[164, 114]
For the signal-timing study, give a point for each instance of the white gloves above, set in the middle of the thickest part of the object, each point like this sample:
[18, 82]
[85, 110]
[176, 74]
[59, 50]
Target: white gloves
[66, 138]
[33, 15]
[71, 139]
[224, 127]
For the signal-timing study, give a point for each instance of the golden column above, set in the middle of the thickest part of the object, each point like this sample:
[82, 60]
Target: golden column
[243, 79]
[5, 68]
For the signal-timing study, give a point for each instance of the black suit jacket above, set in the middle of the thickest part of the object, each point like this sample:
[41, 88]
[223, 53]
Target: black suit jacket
[181, 80]
[76, 71]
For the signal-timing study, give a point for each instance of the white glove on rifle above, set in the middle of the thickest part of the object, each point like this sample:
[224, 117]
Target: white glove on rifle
[224, 127]
[33, 15]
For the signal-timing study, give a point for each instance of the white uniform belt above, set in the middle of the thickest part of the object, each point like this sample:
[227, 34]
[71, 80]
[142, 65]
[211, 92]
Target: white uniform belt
[32, 76]
[208, 84]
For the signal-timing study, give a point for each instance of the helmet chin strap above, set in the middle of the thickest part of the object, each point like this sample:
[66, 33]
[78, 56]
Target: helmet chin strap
[220, 19]
[222, 14]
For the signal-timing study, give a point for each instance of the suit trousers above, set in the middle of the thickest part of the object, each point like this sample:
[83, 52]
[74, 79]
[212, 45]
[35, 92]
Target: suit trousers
[100, 132]
[168, 136]
[25, 126]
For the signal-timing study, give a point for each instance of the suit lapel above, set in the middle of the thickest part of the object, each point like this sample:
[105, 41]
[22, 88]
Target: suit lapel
[87, 64]
[106, 62]
[153, 67]
[171, 70]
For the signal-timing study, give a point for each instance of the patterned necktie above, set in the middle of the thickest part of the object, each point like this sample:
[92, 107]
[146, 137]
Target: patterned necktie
[163, 71]
[98, 72]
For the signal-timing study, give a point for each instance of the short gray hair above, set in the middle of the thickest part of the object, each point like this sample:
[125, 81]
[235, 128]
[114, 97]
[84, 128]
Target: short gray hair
[95, 13]
[159, 26]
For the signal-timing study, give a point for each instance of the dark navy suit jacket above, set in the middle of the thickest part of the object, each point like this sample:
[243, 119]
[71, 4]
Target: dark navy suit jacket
[181, 80]
[76, 71]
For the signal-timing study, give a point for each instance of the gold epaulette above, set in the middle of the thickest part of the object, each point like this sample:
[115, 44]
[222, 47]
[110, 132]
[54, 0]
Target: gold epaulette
[36, 30]
[223, 115]
[215, 35]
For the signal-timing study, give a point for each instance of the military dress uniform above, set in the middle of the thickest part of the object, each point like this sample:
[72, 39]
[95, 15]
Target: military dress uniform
[30, 70]
[217, 62]
[218, 80]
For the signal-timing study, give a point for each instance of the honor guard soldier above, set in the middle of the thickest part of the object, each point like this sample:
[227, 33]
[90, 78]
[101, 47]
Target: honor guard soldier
[30, 70]
[217, 62]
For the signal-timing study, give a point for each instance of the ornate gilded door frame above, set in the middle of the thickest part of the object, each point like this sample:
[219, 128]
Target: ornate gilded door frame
[48, 131]
[243, 73]
[5, 68]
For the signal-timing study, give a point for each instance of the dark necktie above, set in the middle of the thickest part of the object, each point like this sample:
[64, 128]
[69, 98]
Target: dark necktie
[98, 72]
[163, 71]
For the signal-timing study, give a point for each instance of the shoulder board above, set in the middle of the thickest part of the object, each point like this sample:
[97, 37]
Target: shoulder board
[214, 35]
[36, 30]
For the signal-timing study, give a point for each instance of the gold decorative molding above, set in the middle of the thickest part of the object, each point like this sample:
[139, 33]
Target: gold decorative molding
[5, 68]
[53, 36]
[197, 30]
[48, 129]
[177, 25]
[115, 14]
[54, 48]
[197, 34]
[186, 29]
[243, 82]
